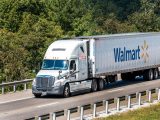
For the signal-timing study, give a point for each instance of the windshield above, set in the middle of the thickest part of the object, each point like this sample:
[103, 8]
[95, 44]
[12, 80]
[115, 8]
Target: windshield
[55, 65]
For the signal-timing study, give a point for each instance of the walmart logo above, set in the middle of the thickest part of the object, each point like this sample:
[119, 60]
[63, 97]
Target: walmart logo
[144, 54]
[126, 54]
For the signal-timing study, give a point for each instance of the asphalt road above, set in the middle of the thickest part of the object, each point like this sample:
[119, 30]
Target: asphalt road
[23, 105]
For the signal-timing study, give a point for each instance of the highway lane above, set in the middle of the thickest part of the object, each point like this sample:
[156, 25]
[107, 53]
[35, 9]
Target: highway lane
[27, 106]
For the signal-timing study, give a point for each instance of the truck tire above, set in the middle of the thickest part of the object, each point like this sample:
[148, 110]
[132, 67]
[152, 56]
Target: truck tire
[37, 95]
[100, 84]
[155, 73]
[148, 74]
[66, 91]
[94, 86]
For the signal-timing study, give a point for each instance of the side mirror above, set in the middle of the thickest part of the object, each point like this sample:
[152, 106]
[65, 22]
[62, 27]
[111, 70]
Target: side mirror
[71, 71]
[59, 74]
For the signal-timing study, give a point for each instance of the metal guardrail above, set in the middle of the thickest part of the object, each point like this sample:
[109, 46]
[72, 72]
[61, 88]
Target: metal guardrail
[14, 84]
[80, 109]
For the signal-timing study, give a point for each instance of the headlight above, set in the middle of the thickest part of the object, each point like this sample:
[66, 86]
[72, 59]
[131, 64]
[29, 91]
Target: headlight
[34, 82]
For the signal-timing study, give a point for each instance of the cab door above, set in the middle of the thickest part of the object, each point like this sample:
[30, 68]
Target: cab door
[75, 85]
[73, 70]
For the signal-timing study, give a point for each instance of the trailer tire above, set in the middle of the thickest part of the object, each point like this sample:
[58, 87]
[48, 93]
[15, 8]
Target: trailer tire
[94, 85]
[148, 75]
[100, 84]
[37, 95]
[155, 74]
[66, 91]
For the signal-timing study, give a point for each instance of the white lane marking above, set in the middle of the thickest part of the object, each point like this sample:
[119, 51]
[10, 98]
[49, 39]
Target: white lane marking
[47, 104]
[116, 90]
[15, 100]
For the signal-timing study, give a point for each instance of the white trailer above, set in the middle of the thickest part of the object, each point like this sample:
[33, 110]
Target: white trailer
[87, 63]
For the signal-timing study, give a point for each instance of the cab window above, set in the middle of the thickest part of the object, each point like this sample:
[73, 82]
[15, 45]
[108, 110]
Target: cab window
[73, 65]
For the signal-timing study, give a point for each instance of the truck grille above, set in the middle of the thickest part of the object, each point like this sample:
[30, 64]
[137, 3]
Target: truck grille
[44, 82]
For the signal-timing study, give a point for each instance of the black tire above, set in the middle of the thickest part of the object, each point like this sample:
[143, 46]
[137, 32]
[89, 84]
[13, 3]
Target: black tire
[94, 86]
[100, 84]
[155, 74]
[148, 75]
[37, 95]
[66, 91]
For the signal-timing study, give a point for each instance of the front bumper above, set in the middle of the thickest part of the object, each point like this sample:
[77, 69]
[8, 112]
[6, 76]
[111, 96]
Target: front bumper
[49, 91]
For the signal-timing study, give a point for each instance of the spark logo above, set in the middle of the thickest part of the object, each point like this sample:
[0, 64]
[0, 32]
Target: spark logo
[126, 54]
[144, 54]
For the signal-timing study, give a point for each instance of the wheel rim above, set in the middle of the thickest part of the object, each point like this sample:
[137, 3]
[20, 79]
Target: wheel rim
[151, 74]
[66, 91]
[155, 74]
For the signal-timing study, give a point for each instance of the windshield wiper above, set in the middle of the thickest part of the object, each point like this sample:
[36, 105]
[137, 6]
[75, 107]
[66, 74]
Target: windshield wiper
[57, 68]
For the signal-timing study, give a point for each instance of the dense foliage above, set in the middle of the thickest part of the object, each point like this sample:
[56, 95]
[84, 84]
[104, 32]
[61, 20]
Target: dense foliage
[150, 112]
[27, 27]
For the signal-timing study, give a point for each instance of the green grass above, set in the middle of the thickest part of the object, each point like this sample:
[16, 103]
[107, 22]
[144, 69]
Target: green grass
[147, 113]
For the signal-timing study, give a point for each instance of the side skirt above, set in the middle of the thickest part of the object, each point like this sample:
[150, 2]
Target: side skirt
[80, 92]
[79, 86]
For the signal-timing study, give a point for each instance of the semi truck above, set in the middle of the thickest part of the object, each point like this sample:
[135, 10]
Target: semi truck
[87, 63]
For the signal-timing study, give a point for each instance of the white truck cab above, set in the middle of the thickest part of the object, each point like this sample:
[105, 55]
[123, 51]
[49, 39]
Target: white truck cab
[64, 66]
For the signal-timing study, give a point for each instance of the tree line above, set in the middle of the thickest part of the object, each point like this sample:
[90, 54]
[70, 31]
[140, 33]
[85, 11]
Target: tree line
[27, 27]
